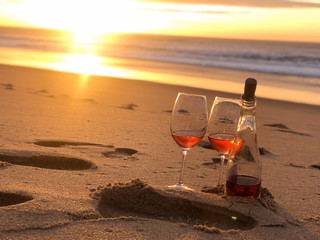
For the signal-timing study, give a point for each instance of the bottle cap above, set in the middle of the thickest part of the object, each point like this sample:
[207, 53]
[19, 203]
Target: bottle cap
[249, 89]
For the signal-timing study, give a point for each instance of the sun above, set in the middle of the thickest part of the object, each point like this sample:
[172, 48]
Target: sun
[87, 18]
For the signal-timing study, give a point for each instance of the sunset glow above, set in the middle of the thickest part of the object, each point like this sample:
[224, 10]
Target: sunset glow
[292, 21]
[82, 17]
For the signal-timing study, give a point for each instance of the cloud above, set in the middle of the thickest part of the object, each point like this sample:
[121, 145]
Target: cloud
[189, 11]
[247, 3]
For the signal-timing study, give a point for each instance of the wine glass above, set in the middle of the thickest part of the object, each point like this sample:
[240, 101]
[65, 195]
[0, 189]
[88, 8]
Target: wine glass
[222, 127]
[188, 126]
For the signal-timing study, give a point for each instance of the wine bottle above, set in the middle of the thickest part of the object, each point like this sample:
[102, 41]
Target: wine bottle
[243, 176]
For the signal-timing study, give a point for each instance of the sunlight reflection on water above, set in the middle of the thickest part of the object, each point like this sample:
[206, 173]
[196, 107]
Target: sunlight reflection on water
[89, 64]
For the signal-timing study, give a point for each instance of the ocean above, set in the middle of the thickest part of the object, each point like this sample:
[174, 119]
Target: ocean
[293, 68]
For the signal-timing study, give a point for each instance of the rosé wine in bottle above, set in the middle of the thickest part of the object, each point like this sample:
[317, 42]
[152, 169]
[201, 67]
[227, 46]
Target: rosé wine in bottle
[244, 186]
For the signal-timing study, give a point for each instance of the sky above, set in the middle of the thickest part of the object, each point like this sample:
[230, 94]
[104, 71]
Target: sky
[283, 20]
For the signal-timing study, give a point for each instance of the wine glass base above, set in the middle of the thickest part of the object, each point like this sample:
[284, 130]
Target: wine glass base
[180, 186]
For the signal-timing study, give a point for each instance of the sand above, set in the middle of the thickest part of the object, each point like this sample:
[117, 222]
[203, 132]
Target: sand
[85, 157]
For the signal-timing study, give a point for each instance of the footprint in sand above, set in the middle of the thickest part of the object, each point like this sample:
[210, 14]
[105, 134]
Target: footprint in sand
[283, 128]
[43, 93]
[125, 153]
[7, 86]
[137, 199]
[130, 106]
[88, 100]
[42, 160]
[58, 143]
[316, 166]
[265, 152]
[205, 144]
[7, 198]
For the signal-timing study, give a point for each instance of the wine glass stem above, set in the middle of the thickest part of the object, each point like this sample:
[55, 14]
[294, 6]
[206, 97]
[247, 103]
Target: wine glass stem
[184, 155]
[222, 157]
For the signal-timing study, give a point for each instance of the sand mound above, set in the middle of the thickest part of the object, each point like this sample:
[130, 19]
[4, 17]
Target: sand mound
[202, 211]
[139, 199]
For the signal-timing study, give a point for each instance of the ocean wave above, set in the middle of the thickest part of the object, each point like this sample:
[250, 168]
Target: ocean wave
[299, 65]
[300, 59]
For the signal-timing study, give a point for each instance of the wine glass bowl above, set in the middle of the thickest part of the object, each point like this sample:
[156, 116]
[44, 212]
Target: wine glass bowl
[188, 126]
[187, 139]
[221, 142]
[222, 127]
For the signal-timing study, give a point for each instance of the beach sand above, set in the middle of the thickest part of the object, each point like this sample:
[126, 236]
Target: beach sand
[84, 157]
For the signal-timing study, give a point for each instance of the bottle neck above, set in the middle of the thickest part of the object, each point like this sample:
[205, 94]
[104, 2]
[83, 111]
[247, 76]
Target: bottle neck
[248, 107]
